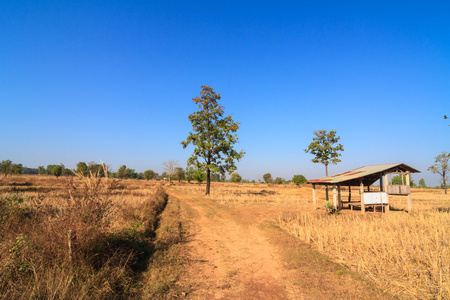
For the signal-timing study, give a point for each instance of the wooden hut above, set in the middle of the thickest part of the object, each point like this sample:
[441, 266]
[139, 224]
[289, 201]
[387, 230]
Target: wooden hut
[365, 177]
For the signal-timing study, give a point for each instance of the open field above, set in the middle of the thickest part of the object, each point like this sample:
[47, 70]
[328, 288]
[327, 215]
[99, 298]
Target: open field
[230, 246]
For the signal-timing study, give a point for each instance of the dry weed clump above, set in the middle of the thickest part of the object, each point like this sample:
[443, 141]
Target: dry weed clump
[408, 255]
[58, 238]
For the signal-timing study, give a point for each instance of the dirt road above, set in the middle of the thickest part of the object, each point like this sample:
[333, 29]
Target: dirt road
[235, 253]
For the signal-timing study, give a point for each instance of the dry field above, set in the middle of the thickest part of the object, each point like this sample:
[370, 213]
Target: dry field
[116, 242]
[87, 238]
[406, 255]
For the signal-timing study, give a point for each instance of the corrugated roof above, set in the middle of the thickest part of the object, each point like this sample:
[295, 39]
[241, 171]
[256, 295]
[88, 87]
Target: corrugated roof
[369, 174]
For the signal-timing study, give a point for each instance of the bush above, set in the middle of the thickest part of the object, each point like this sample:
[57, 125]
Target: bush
[299, 179]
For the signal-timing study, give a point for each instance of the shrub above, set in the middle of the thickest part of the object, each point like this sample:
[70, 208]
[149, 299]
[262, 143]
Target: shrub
[299, 179]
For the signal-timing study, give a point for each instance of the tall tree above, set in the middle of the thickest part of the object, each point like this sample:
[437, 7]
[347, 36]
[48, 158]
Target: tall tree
[441, 167]
[213, 136]
[323, 149]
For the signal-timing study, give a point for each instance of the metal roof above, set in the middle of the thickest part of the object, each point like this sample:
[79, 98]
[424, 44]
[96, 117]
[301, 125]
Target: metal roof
[368, 174]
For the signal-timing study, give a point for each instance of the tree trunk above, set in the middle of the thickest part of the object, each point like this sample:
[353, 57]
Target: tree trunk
[326, 172]
[208, 181]
[445, 183]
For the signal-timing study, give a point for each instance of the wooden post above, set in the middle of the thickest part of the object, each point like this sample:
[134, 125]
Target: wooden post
[314, 196]
[334, 197]
[386, 182]
[381, 183]
[361, 190]
[409, 194]
[326, 192]
[339, 197]
[349, 193]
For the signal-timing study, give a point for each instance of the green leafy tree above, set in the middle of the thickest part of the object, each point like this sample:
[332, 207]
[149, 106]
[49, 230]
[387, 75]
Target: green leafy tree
[5, 167]
[422, 183]
[401, 180]
[189, 173]
[96, 169]
[82, 168]
[267, 178]
[441, 167]
[325, 149]
[131, 173]
[149, 174]
[57, 170]
[179, 174]
[16, 169]
[279, 180]
[199, 175]
[122, 172]
[213, 136]
[215, 177]
[235, 177]
[299, 179]
[49, 169]
[41, 170]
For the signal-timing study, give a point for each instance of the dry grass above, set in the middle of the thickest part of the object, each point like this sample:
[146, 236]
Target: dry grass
[79, 237]
[407, 255]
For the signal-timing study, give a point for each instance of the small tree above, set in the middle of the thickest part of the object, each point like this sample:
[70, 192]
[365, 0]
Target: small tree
[267, 178]
[324, 150]
[57, 170]
[5, 167]
[149, 174]
[422, 183]
[122, 172]
[299, 179]
[169, 168]
[235, 177]
[213, 136]
[441, 167]
[179, 174]
[41, 170]
[189, 173]
[82, 168]
[199, 175]
[279, 180]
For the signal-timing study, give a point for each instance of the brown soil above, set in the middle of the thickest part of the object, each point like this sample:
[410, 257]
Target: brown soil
[237, 253]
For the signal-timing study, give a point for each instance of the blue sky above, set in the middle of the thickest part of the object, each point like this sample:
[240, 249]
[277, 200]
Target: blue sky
[113, 81]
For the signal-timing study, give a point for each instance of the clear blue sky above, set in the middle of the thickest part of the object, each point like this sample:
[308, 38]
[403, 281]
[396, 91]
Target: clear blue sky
[113, 81]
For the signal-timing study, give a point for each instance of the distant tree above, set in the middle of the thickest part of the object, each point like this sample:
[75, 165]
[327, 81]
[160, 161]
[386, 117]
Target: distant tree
[49, 169]
[267, 178]
[235, 177]
[164, 176]
[96, 169]
[122, 172]
[5, 167]
[57, 170]
[179, 174]
[189, 173]
[323, 149]
[441, 167]
[199, 175]
[169, 168]
[30, 171]
[215, 177]
[422, 183]
[82, 168]
[131, 173]
[401, 180]
[140, 175]
[299, 179]
[41, 170]
[279, 180]
[213, 136]
[149, 174]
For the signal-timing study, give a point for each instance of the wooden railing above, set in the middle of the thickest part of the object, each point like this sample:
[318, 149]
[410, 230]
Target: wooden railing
[398, 189]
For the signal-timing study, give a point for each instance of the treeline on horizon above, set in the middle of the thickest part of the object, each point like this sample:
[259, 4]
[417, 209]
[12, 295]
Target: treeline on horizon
[189, 174]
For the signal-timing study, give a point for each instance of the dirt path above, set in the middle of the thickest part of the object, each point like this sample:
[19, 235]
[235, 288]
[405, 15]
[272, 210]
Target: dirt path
[233, 257]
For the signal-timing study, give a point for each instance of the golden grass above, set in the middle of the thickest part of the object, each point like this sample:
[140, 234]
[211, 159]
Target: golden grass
[407, 255]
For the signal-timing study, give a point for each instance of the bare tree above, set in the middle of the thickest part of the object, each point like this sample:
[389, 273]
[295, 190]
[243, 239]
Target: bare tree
[441, 167]
[169, 167]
